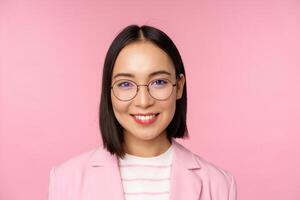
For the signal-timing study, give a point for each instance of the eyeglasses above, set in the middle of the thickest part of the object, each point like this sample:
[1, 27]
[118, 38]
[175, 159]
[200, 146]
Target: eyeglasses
[159, 89]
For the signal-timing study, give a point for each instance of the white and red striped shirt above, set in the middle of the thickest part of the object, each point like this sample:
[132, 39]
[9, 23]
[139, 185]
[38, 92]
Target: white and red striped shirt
[146, 178]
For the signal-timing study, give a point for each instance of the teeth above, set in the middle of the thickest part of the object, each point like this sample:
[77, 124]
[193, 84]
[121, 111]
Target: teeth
[144, 118]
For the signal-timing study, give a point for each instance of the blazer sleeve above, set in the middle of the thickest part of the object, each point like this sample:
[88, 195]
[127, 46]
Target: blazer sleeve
[233, 189]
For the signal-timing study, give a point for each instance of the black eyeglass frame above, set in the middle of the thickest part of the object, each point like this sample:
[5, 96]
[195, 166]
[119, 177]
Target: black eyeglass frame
[147, 85]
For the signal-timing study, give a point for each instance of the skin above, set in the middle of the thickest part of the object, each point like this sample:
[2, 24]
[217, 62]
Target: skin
[140, 59]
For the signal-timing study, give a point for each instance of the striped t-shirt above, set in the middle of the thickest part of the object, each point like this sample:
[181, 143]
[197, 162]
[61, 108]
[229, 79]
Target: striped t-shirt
[146, 178]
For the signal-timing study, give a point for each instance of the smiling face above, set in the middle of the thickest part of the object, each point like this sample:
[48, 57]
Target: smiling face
[143, 62]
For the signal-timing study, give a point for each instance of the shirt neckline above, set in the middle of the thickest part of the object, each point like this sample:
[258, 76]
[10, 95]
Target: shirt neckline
[160, 156]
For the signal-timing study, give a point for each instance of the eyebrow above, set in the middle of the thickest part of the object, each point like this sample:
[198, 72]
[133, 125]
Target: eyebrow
[150, 75]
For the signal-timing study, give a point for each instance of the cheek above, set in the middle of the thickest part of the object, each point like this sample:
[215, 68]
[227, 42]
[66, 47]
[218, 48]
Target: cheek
[169, 106]
[119, 107]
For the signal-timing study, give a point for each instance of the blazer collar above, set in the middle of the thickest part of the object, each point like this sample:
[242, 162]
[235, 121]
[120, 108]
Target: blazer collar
[181, 156]
[185, 183]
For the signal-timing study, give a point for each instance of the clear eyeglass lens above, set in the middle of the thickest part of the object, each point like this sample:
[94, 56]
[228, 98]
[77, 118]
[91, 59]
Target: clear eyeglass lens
[160, 89]
[124, 89]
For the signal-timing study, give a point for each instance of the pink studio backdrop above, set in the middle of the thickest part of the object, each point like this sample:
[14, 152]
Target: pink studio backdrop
[242, 64]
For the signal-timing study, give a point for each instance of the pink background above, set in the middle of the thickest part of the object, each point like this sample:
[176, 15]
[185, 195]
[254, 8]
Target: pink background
[243, 75]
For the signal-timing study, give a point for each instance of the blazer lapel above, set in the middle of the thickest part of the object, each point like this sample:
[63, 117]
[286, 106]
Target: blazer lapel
[185, 183]
[102, 178]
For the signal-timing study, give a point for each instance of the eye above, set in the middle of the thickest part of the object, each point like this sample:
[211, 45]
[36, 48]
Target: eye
[159, 83]
[125, 85]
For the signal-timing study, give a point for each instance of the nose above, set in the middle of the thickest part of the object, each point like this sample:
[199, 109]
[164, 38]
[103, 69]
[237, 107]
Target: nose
[143, 98]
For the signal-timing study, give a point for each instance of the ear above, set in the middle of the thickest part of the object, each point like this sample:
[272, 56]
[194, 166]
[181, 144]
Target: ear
[180, 84]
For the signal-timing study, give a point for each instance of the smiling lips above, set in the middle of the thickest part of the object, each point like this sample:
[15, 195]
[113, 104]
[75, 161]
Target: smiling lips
[145, 118]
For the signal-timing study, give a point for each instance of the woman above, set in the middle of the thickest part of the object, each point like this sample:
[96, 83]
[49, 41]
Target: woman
[143, 108]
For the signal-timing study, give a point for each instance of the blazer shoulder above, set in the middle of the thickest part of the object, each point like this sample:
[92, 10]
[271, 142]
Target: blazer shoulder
[207, 167]
[75, 163]
[65, 178]
[211, 168]
[217, 177]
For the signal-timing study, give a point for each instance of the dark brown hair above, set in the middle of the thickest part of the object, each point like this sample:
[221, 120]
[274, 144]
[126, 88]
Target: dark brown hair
[111, 130]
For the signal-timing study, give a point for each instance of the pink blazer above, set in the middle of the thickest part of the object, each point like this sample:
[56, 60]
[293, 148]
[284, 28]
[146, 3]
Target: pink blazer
[95, 175]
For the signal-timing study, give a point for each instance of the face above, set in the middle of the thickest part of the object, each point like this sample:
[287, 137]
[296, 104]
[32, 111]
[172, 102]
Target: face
[138, 62]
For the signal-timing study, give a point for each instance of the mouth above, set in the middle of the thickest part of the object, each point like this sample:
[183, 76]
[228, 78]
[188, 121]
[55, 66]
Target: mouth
[145, 119]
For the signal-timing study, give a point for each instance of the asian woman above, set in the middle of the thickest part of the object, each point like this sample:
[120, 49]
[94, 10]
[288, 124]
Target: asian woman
[142, 110]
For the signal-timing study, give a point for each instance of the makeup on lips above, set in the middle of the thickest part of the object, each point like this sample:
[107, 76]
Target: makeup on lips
[145, 118]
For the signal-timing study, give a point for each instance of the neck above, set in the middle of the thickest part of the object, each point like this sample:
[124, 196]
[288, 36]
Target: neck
[146, 148]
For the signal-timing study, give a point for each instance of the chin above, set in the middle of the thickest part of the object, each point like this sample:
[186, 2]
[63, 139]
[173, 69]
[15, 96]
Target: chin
[146, 136]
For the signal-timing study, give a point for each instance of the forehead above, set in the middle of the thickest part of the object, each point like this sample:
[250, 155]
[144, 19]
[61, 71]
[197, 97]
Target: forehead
[142, 59]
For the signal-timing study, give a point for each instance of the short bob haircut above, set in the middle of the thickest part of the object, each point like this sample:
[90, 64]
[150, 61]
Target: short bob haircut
[111, 130]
